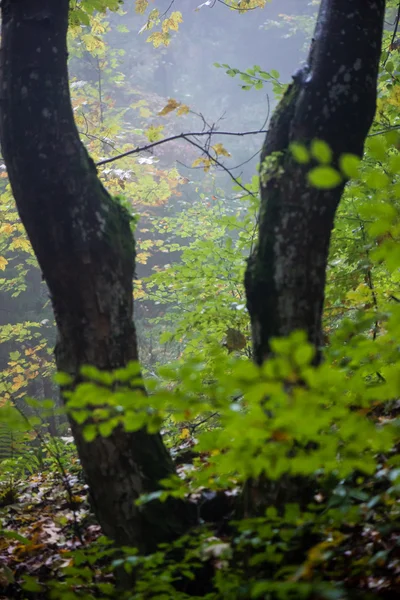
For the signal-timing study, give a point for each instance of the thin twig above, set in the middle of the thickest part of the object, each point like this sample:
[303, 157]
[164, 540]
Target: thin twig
[396, 25]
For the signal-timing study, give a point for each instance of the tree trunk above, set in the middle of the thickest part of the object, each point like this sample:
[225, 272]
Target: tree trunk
[333, 98]
[83, 242]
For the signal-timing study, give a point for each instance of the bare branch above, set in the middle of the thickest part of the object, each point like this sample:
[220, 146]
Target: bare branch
[180, 136]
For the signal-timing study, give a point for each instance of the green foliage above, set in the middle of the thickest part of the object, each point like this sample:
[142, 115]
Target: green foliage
[325, 176]
[260, 409]
[255, 77]
[262, 432]
[203, 293]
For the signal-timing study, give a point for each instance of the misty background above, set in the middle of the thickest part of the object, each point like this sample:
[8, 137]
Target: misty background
[121, 95]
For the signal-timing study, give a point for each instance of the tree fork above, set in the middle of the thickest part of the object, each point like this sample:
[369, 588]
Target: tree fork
[85, 248]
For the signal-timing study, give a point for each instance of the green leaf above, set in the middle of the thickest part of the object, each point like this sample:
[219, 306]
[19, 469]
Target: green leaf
[13, 535]
[107, 427]
[79, 416]
[321, 151]
[63, 379]
[299, 152]
[166, 337]
[394, 164]
[377, 180]
[390, 66]
[31, 584]
[349, 165]
[324, 178]
[303, 355]
[90, 432]
[377, 148]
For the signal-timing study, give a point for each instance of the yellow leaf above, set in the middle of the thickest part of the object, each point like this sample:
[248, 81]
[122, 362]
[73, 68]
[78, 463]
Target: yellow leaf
[172, 23]
[165, 26]
[3, 263]
[139, 294]
[157, 38]
[7, 228]
[21, 243]
[142, 257]
[204, 162]
[141, 6]
[98, 27]
[174, 20]
[219, 149]
[153, 17]
[18, 382]
[169, 107]
[92, 42]
[185, 433]
[77, 499]
[183, 110]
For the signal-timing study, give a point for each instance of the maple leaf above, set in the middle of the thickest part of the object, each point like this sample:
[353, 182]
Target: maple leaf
[142, 257]
[18, 382]
[174, 20]
[21, 243]
[157, 38]
[7, 228]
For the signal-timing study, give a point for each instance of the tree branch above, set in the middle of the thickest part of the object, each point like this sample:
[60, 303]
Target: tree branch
[180, 136]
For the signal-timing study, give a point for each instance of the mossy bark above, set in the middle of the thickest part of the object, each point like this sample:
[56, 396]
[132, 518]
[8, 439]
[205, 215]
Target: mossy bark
[333, 99]
[84, 246]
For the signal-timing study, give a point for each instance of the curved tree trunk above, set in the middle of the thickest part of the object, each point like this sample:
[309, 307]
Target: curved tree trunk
[333, 99]
[83, 242]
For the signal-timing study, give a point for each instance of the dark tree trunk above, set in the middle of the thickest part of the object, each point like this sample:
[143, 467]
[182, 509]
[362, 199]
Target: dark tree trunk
[85, 248]
[333, 99]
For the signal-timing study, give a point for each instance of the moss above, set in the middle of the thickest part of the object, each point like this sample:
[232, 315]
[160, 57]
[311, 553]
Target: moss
[118, 225]
[125, 204]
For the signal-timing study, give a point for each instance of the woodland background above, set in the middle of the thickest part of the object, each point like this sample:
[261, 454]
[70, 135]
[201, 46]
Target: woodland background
[136, 77]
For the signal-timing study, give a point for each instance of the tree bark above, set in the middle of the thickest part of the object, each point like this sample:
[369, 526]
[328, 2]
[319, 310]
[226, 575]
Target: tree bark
[85, 248]
[333, 98]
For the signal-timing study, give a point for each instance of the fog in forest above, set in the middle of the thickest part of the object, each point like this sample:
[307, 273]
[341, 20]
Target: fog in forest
[119, 94]
[185, 71]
